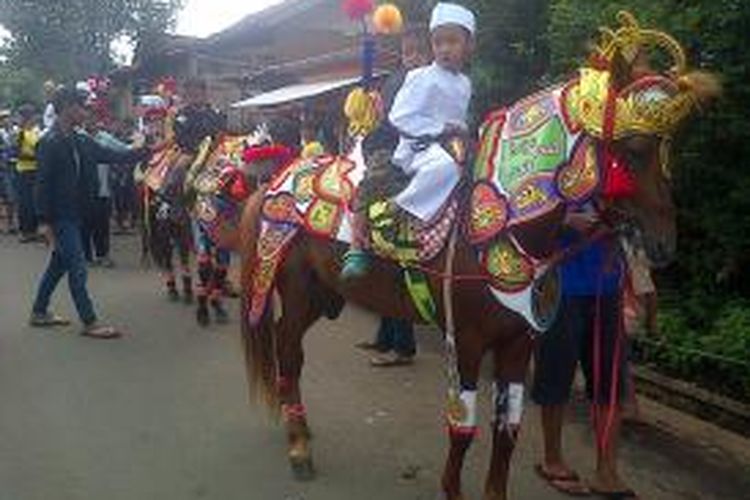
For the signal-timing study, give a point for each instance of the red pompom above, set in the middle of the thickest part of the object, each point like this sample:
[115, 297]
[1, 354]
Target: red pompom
[276, 152]
[619, 182]
[357, 9]
[167, 86]
[155, 113]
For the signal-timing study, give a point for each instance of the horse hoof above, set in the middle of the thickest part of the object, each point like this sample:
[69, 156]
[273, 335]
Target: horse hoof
[222, 317]
[493, 495]
[202, 317]
[303, 469]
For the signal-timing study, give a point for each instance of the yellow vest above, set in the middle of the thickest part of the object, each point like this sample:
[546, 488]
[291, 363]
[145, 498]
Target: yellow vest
[27, 150]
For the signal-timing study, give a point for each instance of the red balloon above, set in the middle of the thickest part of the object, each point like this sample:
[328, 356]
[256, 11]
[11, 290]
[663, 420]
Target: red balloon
[357, 9]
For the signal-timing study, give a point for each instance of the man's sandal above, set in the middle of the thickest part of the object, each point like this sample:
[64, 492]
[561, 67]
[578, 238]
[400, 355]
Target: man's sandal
[103, 332]
[47, 320]
[387, 360]
[568, 484]
[615, 495]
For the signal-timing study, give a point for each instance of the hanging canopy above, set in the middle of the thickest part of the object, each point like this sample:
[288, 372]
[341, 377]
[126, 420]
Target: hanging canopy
[291, 93]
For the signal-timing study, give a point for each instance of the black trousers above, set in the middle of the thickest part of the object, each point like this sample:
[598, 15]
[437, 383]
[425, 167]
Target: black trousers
[27, 220]
[95, 231]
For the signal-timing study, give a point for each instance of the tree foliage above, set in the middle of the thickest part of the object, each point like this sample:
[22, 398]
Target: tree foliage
[69, 39]
[510, 56]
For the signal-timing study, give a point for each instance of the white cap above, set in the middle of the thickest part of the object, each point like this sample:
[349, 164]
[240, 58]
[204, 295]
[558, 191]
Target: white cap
[451, 13]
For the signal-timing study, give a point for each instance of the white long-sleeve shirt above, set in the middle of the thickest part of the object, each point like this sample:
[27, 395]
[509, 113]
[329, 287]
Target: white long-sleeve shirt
[49, 116]
[430, 99]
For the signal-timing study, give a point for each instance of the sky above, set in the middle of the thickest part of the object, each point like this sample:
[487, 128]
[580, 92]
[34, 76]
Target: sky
[205, 17]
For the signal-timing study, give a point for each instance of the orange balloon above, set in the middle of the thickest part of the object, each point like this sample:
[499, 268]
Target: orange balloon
[387, 19]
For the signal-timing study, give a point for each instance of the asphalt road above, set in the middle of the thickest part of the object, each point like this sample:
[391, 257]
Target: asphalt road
[163, 414]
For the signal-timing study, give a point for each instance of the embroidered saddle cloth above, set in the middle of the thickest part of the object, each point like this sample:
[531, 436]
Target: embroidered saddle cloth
[318, 195]
[321, 194]
[533, 164]
[216, 203]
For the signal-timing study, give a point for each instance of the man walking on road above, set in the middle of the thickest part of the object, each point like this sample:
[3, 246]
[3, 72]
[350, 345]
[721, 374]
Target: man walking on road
[67, 181]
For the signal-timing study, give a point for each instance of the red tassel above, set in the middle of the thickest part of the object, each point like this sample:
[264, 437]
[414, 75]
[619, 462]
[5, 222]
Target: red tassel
[239, 189]
[619, 182]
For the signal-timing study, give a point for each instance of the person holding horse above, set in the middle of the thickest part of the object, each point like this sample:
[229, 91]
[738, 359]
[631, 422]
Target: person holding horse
[587, 332]
[590, 330]
[192, 123]
[429, 112]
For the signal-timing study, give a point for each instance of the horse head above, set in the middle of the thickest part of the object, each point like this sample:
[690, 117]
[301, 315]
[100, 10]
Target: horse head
[633, 111]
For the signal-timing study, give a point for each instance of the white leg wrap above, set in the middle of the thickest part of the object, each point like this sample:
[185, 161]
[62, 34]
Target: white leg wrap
[469, 399]
[462, 411]
[508, 405]
[515, 403]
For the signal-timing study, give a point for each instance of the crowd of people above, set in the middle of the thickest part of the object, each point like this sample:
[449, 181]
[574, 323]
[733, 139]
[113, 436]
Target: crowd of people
[20, 133]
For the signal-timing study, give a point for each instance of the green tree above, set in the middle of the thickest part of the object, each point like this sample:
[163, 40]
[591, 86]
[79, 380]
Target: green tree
[510, 56]
[70, 39]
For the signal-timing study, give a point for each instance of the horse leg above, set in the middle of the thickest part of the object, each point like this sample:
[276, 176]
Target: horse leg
[220, 263]
[462, 427]
[204, 283]
[511, 360]
[299, 313]
[162, 245]
[183, 239]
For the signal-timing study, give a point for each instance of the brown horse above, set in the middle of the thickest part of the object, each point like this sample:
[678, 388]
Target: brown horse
[308, 287]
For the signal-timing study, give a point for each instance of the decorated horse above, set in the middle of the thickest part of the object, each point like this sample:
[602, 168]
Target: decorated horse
[484, 269]
[166, 219]
[216, 189]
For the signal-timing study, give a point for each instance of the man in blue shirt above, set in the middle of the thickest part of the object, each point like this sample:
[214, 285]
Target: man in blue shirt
[587, 331]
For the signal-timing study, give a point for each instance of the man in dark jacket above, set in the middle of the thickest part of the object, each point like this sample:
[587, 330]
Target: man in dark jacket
[67, 181]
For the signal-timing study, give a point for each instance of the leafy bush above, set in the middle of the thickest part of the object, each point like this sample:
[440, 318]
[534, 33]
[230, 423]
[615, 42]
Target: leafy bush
[715, 356]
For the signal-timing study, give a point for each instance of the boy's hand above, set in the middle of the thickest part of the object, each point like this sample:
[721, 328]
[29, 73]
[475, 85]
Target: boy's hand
[139, 141]
[453, 129]
[583, 222]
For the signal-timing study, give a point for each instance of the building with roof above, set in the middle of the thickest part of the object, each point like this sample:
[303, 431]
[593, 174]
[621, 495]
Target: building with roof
[293, 42]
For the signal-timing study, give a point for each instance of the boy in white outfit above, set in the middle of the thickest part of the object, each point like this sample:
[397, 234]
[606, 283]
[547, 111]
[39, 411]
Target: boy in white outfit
[430, 107]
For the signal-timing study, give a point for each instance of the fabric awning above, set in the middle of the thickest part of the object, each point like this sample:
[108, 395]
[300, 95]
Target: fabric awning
[292, 93]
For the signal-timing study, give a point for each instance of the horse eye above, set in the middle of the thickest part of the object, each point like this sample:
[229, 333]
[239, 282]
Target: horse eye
[637, 160]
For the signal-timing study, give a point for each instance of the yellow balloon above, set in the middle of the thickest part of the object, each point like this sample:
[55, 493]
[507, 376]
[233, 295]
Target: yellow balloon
[387, 19]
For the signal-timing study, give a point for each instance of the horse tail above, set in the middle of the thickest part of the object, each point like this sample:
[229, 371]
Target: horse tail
[258, 340]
